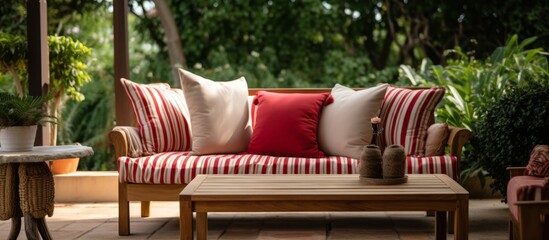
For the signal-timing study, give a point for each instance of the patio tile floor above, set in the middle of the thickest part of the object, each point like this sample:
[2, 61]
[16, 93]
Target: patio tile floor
[488, 219]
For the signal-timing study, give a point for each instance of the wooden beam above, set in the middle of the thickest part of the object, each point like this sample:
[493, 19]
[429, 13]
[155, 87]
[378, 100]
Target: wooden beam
[38, 58]
[124, 115]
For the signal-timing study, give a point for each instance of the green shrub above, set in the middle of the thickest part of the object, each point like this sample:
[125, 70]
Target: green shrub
[473, 85]
[508, 131]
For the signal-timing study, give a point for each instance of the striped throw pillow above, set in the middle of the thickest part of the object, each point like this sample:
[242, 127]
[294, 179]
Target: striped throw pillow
[162, 116]
[406, 115]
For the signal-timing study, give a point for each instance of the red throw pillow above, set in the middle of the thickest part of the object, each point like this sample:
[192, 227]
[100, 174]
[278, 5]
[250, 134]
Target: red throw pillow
[405, 116]
[286, 124]
[539, 162]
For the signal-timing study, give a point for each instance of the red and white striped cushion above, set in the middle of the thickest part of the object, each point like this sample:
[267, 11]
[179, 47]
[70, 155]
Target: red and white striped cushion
[405, 116]
[179, 167]
[293, 165]
[162, 116]
[445, 164]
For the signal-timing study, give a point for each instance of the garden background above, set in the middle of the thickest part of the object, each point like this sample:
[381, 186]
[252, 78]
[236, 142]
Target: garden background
[489, 55]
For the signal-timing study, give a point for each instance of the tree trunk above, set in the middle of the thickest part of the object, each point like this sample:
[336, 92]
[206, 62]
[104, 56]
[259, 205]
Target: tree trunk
[55, 108]
[173, 41]
[16, 81]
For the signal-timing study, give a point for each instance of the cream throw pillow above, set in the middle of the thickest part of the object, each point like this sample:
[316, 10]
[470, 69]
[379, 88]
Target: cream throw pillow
[219, 114]
[345, 126]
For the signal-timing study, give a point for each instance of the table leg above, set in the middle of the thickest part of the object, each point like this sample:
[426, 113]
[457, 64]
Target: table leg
[451, 219]
[461, 227]
[9, 187]
[30, 227]
[185, 220]
[43, 228]
[201, 225]
[15, 228]
[440, 225]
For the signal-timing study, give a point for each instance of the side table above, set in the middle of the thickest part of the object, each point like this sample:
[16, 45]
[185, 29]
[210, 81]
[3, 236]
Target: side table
[27, 188]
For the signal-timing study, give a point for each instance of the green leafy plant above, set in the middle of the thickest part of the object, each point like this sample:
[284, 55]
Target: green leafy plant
[510, 128]
[68, 69]
[13, 58]
[68, 73]
[23, 110]
[89, 122]
[473, 85]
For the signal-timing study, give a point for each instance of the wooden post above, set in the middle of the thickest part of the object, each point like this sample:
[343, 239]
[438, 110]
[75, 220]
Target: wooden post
[38, 58]
[124, 116]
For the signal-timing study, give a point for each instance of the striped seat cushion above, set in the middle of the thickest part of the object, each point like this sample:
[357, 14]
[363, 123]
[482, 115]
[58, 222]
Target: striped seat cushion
[525, 188]
[291, 165]
[445, 164]
[180, 168]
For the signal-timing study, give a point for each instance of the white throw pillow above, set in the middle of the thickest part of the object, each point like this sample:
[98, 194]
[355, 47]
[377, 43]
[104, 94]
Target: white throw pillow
[345, 125]
[219, 114]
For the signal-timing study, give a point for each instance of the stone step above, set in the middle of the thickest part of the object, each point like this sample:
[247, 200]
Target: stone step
[86, 187]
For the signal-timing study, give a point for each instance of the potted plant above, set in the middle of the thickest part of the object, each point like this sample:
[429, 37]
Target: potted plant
[19, 117]
[67, 75]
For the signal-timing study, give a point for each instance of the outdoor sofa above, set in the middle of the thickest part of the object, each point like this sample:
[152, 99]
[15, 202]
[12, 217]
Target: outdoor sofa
[156, 161]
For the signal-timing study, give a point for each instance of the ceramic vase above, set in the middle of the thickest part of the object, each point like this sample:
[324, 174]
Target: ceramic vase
[394, 162]
[370, 162]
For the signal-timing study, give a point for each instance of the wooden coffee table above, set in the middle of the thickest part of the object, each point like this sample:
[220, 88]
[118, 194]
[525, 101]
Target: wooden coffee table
[300, 193]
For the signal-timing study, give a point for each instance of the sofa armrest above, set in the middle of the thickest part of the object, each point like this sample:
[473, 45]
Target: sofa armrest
[119, 141]
[457, 139]
[126, 141]
[541, 205]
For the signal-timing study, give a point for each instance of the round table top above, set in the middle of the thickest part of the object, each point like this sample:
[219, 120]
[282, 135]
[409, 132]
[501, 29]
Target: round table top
[45, 153]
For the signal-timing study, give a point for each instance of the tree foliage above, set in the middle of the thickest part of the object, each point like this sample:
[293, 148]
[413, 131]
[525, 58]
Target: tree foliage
[298, 38]
[13, 17]
[13, 14]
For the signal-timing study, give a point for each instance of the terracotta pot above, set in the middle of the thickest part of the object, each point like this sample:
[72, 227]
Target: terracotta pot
[63, 166]
[17, 138]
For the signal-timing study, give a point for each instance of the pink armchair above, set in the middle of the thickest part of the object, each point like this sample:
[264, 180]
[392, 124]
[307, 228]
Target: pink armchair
[528, 201]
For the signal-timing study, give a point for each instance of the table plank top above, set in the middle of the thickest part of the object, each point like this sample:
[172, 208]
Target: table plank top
[318, 187]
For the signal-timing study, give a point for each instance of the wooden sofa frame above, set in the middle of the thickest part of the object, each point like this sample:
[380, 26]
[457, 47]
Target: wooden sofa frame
[145, 193]
[528, 226]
